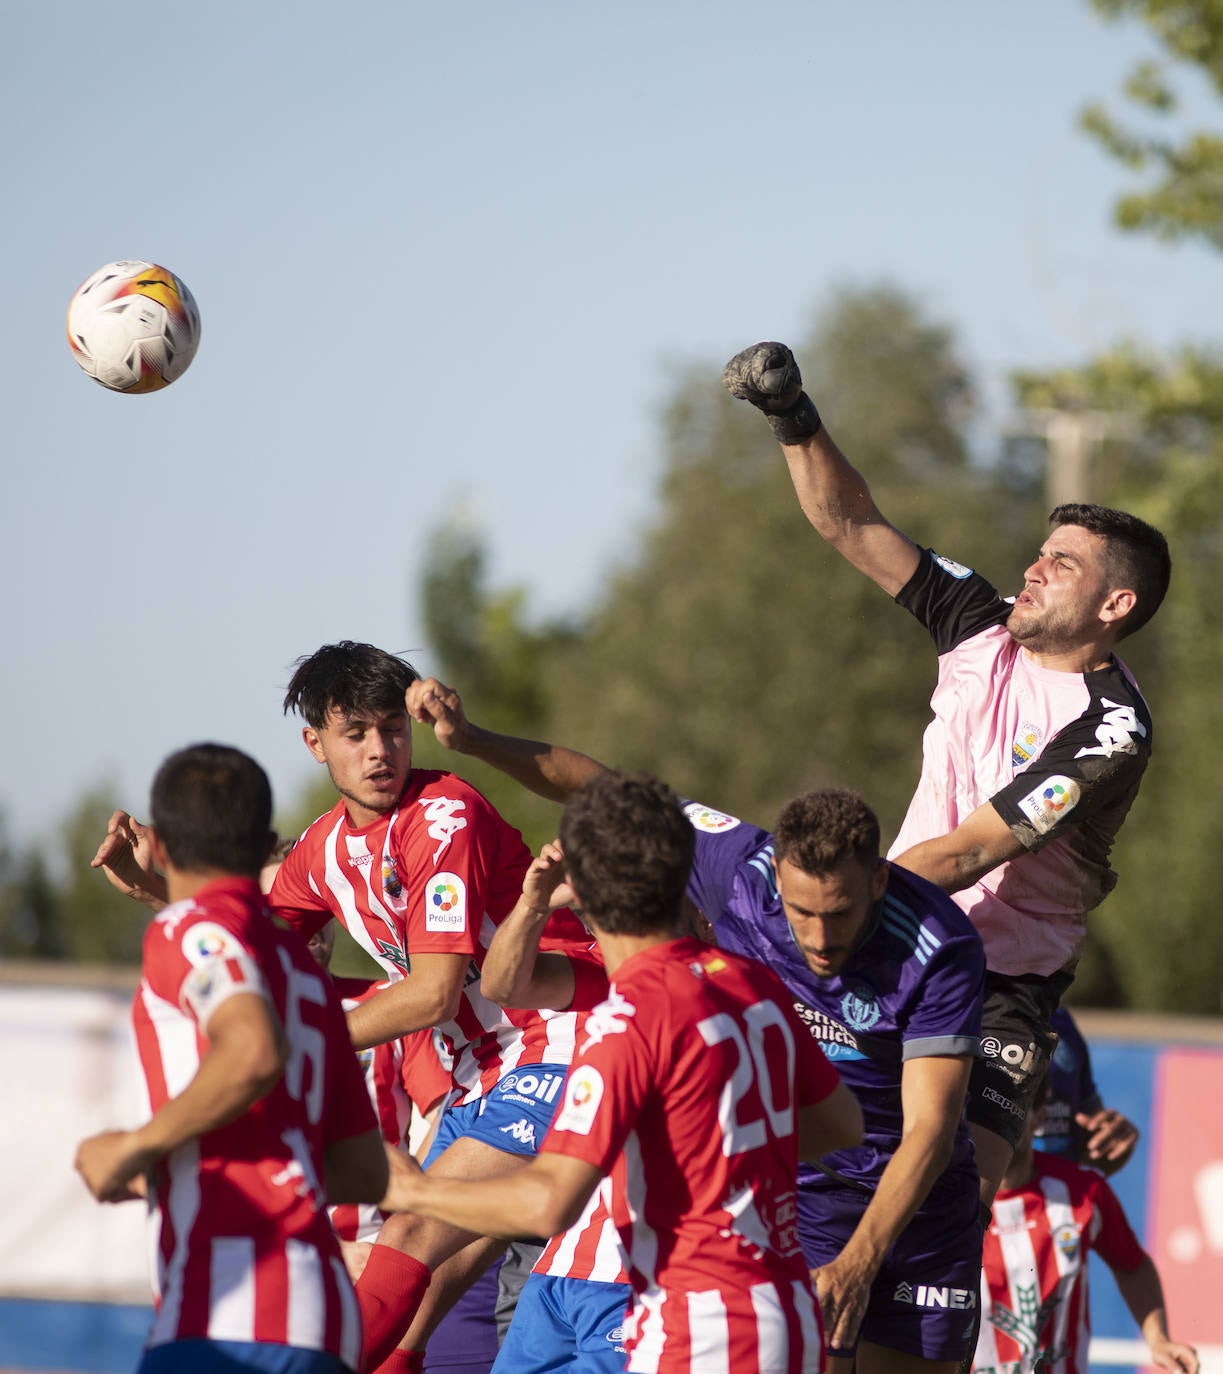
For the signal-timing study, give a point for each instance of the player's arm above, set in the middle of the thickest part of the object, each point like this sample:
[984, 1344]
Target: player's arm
[515, 973]
[832, 493]
[956, 860]
[833, 1124]
[1144, 1296]
[125, 857]
[428, 996]
[245, 1057]
[549, 770]
[932, 1100]
[541, 1199]
[355, 1169]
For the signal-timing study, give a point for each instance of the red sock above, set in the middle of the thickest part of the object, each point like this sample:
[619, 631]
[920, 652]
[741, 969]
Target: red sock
[389, 1291]
[402, 1362]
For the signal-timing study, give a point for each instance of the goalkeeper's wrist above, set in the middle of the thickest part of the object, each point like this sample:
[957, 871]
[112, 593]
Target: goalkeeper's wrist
[800, 422]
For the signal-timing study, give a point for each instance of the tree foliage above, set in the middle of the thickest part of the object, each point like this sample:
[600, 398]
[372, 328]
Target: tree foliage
[1181, 167]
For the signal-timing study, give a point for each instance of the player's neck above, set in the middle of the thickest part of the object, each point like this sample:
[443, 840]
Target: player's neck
[617, 948]
[182, 884]
[1079, 658]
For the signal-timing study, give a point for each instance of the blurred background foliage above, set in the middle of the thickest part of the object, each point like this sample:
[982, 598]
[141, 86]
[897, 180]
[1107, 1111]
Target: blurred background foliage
[736, 656]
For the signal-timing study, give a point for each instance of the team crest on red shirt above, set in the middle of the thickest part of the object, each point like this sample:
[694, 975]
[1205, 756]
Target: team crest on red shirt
[390, 878]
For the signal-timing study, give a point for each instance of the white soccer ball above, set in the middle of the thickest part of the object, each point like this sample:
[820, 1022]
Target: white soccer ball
[133, 326]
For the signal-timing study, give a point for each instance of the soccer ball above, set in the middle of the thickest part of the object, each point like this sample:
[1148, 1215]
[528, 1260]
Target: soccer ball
[133, 326]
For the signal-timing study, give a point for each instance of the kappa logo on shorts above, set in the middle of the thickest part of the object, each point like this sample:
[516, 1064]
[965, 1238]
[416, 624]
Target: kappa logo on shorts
[1004, 1102]
[930, 1295]
[707, 819]
[522, 1130]
[1049, 802]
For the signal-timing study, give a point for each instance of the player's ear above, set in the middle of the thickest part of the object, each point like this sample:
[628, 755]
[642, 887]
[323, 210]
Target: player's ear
[1118, 604]
[879, 880]
[313, 743]
[160, 857]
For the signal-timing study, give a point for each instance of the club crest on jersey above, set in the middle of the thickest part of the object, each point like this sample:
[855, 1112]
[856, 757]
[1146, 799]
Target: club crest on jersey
[859, 1007]
[950, 566]
[582, 1097]
[445, 902]
[707, 819]
[1066, 1238]
[390, 878]
[206, 941]
[1049, 802]
[1026, 744]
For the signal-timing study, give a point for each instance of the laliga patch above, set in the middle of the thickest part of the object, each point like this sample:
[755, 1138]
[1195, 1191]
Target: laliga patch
[445, 902]
[583, 1093]
[205, 941]
[707, 819]
[954, 569]
[206, 987]
[1047, 804]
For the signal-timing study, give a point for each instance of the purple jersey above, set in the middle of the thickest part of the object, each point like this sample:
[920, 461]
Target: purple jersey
[1058, 755]
[1072, 1089]
[912, 989]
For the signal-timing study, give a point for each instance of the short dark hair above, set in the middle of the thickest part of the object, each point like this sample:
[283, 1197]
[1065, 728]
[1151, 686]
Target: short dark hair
[350, 678]
[816, 831]
[212, 809]
[1135, 556]
[628, 852]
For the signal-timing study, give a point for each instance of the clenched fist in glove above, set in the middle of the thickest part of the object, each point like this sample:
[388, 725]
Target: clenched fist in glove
[767, 376]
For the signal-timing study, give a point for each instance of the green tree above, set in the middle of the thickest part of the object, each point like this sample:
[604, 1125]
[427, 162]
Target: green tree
[1181, 166]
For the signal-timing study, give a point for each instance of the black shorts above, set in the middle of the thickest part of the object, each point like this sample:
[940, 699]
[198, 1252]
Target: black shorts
[1016, 1047]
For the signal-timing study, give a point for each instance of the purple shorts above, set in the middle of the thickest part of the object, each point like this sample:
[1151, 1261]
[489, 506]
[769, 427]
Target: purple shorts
[924, 1298]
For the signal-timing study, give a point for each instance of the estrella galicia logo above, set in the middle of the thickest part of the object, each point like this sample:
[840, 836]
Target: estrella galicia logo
[859, 1007]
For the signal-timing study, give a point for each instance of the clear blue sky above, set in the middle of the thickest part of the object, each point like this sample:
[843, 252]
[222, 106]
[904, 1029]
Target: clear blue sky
[447, 258]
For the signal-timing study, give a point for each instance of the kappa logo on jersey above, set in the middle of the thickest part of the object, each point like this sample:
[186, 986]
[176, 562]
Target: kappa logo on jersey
[395, 955]
[582, 1098]
[949, 565]
[1048, 803]
[1026, 744]
[1118, 733]
[445, 902]
[522, 1130]
[361, 860]
[442, 814]
[206, 940]
[859, 1007]
[707, 819]
[390, 878]
[928, 1295]
[610, 1017]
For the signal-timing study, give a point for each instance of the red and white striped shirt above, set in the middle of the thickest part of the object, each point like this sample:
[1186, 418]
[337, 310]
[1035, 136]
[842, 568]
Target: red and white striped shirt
[244, 1249]
[405, 1080]
[435, 875]
[685, 1087]
[1034, 1276]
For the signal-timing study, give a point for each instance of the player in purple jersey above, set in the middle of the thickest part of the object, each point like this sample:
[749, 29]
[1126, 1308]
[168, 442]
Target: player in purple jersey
[1076, 1124]
[1037, 745]
[887, 973]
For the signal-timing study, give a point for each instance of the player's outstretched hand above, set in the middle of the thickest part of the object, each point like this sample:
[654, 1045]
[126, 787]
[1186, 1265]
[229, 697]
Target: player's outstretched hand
[767, 376]
[1176, 1356]
[1111, 1139]
[430, 702]
[112, 1165]
[125, 856]
[842, 1289]
[544, 887]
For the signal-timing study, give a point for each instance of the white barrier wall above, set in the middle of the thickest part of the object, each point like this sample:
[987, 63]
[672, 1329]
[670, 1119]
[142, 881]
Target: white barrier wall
[68, 1069]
